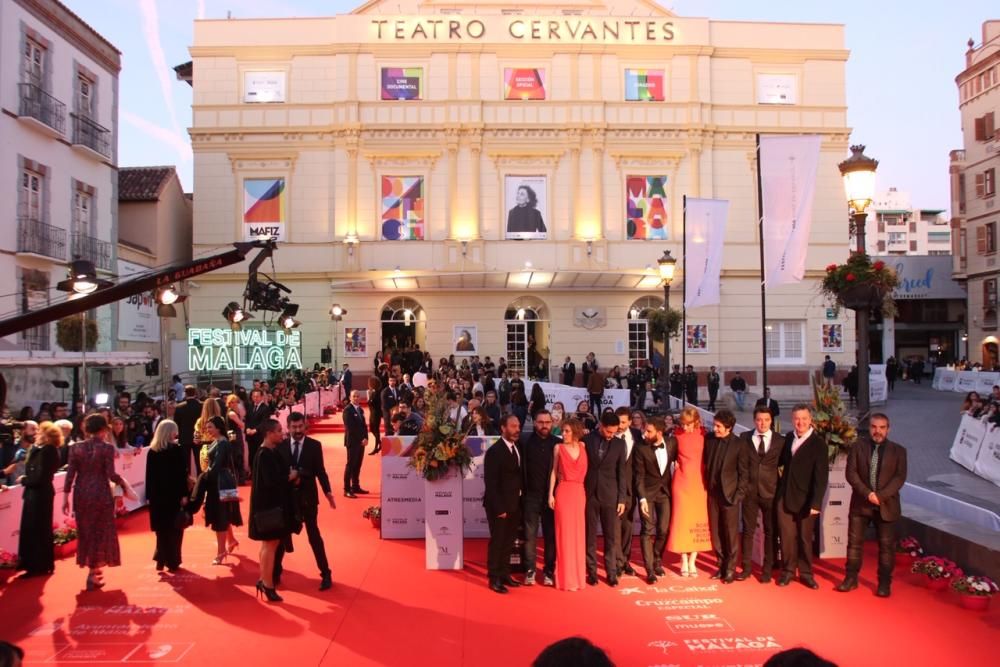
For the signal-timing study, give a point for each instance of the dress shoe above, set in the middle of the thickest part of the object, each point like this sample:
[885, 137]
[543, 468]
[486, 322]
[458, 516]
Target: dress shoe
[612, 581]
[159, 566]
[765, 577]
[349, 494]
[658, 570]
[498, 587]
[849, 583]
[326, 583]
[743, 575]
[784, 579]
[548, 580]
[591, 579]
[628, 569]
[809, 582]
[728, 578]
[716, 575]
[510, 581]
[884, 589]
[359, 491]
[650, 578]
[529, 579]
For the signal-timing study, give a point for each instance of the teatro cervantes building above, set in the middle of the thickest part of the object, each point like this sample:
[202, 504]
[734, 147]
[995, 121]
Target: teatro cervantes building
[508, 174]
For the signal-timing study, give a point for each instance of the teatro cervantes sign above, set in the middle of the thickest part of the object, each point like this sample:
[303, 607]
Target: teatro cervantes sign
[521, 29]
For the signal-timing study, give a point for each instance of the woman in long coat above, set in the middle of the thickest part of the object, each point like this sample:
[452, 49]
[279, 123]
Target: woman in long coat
[167, 494]
[34, 546]
[271, 491]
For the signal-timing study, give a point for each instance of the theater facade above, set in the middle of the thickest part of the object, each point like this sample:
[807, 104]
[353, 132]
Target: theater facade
[501, 178]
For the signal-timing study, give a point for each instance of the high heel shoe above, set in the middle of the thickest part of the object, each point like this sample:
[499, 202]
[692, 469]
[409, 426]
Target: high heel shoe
[94, 584]
[378, 448]
[269, 593]
[234, 547]
[221, 558]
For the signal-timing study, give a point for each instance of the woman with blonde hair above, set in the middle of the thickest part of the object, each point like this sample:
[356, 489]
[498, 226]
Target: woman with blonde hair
[34, 545]
[689, 530]
[235, 415]
[167, 494]
[209, 408]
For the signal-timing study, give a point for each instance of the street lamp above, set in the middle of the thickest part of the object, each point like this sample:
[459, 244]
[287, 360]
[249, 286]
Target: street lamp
[858, 172]
[82, 280]
[337, 313]
[667, 266]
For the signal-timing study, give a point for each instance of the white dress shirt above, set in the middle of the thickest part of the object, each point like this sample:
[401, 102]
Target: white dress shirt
[661, 457]
[767, 441]
[797, 442]
[626, 435]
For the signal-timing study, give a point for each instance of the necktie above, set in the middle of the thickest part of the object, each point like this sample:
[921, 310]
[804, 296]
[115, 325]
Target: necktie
[517, 456]
[295, 452]
[760, 445]
[873, 470]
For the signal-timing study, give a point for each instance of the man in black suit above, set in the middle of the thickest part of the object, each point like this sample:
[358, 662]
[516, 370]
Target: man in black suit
[763, 449]
[804, 471]
[185, 415]
[691, 385]
[876, 471]
[727, 478]
[304, 456]
[568, 372]
[606, 485]
[652, 462]
[390, 398]
[632, 437]
[504, 478]
[772, 405]
[677, 383]
[713, 381]
[258, 413]
[537, 449]
[355, 440]
[346, 380]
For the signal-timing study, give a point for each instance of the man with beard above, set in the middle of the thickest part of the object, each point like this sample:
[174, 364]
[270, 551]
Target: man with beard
[632, 437]
[537, 448]
[606, 486]
[653, 476]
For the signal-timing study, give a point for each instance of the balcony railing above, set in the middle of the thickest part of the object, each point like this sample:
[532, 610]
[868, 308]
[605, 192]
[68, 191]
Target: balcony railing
[88, 133]
[93, 249]
[39, 238]
[37, 104]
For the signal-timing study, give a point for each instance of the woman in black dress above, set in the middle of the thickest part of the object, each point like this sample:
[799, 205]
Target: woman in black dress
[375, 417]
[270, 490]
[34, 546]
[167, 494]
[537, 400]
[220, 516]
[525, 218]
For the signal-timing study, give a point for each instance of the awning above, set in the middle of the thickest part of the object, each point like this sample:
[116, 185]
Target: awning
[499, 280]
[37, 359]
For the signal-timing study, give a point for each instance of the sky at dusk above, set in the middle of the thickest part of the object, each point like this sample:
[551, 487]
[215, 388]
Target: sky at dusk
[902, 100]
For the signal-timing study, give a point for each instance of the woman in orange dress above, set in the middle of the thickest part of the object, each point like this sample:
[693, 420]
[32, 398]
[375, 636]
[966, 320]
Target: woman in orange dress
[569, 500]
[689, 532]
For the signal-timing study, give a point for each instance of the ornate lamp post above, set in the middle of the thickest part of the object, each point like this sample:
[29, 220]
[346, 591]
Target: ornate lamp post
[858, 172]
[667, 266]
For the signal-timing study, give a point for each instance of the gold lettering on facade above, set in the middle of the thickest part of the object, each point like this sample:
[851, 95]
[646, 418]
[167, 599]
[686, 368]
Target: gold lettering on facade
[536, 30]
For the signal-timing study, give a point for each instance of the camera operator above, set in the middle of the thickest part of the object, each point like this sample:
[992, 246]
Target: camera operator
[14, 467]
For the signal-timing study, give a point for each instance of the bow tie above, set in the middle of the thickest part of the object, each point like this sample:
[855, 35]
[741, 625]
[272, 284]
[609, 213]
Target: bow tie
[658, 446]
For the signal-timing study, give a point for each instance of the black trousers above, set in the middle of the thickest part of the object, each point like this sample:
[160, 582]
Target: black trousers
[352, 470]
[627, 528]
[315, 542]
[253, 444]
[796, 530]
[168, 546]
[713, 393]
[607, 517]
[502, 535]
[595, 404]
[658, 524]
[537, 510]
[857, 524]
[724, 524]
[387, 423]
[752, 505]
[374, 420]
[692, 397]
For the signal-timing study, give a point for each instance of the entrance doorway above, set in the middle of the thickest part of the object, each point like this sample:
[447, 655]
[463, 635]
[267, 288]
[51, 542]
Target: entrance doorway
[404, 325]
[527, 338]
[991, 356]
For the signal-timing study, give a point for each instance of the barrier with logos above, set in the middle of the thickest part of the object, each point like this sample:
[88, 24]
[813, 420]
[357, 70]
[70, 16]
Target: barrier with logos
[947, 379]
[129, 463]
[977, 448]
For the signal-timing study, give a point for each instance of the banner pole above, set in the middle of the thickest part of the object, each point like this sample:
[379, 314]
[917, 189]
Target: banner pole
[763, 292]
[684, 263]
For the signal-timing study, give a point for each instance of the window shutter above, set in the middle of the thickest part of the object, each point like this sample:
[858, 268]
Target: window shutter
[989, 126]
[881, 246]
[981, 128]
[981, 239]
[980, 185]
[913, 246]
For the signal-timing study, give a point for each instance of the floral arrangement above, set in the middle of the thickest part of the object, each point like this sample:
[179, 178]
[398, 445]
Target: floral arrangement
[440, 445]
[909, 546]
[373, 512]
[830, 419]
[65, 533]
[972, 585]
[935, 567]
[857, 271]
[8, 560]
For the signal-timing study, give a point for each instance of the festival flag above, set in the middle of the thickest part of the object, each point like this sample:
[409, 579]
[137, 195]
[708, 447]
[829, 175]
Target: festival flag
[705, 234]
[788, 165]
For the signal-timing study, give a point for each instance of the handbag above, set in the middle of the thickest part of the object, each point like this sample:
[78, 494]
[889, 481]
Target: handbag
[270, 521]
[228, 493]
[183, 519]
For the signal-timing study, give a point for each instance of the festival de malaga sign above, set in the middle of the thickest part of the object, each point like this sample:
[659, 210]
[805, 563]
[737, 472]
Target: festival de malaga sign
[245, 350]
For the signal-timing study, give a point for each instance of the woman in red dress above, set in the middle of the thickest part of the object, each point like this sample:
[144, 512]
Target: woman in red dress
[689, 532]
[91, 471]
[569, 500]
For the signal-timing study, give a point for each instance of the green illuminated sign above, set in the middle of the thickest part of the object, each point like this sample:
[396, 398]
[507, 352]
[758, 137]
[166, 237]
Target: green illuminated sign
[246, 350]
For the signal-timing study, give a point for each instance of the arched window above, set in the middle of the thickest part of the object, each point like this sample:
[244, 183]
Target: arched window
[638, 329]
[527, 341]
[403, 324]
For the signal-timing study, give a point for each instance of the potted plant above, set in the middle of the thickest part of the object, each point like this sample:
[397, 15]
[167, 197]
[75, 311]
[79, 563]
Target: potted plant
[374, 514]
[64, 537]
[974, 592]
[69, 333]
[908, 550]
[8, 564]
[939, 572]
[440, 446]
[830, 420]
[860, 283]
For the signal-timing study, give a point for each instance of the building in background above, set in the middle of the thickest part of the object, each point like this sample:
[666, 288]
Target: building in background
[58, 172]
[896, 227]
[975, 210]
[154, 230]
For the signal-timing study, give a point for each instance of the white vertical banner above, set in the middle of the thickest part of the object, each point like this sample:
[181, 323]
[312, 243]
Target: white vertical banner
[443, 525]
[788, 165]
[705, 233]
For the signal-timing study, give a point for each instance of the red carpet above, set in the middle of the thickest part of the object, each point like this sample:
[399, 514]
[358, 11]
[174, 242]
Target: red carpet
[385, 609]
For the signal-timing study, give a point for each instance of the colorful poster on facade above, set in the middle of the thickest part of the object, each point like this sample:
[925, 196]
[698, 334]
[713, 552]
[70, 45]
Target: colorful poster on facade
[137, 318]
[264, 209]
[525, 199]
[403, 208]
[355, 341]
[402, 83]
[833, 338]
[466, 337]
[644, 85]
[646, 207]
[696, 338]
[523, 84]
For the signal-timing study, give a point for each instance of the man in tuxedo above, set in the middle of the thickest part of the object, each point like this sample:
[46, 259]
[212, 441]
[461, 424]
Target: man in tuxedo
[304, 456]
[772, 406]
[713, 382]
[677, 382]
[355, 440]
[653, 475]
[763, 449]
[504, 478]
[691, 385]
[632, 438]
[804, 470]
[606, 486]
[876, 471]
[390, 398]
[728, 475]
[258, 413]
[537, 449]
[568, 372]
[185, 415]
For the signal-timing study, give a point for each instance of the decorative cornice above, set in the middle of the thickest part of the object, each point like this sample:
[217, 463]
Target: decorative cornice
[523, 157]
[402, 158]
[648, 159]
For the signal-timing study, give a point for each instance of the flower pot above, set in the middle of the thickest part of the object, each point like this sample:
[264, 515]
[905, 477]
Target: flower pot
[376, 521]
[861, 296]
[904, 560]
[974, 602]
[65, 550]
[937, 584]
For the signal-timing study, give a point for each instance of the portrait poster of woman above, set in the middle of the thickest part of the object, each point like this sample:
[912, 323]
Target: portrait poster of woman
[466, 337]
[526, 199]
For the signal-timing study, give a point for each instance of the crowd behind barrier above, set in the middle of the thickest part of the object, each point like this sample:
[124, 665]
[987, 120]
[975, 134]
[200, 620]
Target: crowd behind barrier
[977, 448]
